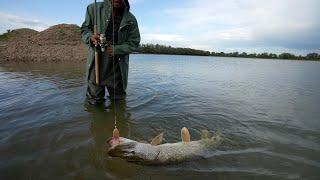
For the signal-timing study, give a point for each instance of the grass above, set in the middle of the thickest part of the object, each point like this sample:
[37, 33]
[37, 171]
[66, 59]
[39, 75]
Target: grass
[5, 36]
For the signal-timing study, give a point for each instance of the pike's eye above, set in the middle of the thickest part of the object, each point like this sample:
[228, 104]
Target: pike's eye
[133, 152]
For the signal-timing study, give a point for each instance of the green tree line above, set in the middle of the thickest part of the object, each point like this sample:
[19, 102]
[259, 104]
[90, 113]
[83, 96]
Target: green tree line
[161, 49]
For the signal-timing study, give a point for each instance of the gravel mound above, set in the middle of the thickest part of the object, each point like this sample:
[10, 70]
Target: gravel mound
[57, 43]
[61, 34]
[22, 34]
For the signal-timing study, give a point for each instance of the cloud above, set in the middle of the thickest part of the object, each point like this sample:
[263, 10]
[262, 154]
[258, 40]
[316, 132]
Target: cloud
[10, 21]
[238, 24]
[163, 37]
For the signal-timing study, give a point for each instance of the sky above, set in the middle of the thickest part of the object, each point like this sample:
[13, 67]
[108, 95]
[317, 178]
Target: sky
[258, 26]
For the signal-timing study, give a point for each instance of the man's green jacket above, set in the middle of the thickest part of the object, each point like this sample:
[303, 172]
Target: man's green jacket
[128, 35]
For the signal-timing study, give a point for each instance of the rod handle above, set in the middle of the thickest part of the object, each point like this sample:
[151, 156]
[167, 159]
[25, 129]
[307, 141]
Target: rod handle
[96, 58]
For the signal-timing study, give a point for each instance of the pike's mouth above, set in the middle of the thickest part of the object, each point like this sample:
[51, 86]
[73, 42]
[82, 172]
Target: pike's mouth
[113, 141]
[122, 150]
[129, 156]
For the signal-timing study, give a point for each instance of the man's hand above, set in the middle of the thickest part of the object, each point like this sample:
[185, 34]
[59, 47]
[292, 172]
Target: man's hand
[110, 51]
[95, 39]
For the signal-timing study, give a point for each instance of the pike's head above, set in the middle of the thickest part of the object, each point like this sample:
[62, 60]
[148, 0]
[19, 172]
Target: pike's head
[132, 151]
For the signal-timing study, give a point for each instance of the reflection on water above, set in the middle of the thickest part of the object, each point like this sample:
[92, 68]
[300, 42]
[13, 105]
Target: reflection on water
[103, 121]
[267, 111]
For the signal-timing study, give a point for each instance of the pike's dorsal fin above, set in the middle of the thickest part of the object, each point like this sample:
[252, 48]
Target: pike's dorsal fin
[157, 140]
[205, 134]
[185, 135]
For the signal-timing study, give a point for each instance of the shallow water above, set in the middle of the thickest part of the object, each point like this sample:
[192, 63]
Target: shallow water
[267, 110]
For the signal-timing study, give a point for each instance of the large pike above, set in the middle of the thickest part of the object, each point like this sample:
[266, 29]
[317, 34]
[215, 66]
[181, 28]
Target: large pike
[156, 153]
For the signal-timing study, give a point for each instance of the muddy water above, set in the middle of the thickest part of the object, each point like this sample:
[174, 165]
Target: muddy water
[267, 110]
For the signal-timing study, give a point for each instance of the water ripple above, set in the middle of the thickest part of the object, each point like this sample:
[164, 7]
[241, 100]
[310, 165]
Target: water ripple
[266, 111]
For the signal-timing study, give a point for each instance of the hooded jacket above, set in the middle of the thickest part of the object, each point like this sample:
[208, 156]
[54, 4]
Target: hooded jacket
[128, 35]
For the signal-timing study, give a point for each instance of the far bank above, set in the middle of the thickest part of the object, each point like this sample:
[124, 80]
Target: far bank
[63, 43]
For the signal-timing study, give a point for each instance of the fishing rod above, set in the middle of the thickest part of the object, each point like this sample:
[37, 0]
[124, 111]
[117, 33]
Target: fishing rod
[96, 53]
[102, 43]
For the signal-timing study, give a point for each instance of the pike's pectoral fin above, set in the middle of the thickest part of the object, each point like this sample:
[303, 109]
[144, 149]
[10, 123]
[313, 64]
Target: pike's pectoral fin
[157, 140]
[205, 134]
[185, 135]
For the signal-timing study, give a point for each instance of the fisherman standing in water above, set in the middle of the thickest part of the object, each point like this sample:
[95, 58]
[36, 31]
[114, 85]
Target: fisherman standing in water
[122, 34]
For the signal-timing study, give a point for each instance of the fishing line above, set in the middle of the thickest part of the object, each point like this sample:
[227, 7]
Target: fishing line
[113, 67]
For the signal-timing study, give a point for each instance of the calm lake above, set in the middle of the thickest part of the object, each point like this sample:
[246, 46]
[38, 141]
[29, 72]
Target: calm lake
[267, 110]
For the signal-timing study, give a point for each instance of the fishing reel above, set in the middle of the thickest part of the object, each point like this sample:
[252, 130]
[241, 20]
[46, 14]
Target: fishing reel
[103, 42]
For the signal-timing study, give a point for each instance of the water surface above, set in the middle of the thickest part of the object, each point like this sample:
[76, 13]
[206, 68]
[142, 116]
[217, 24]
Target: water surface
[267, 110]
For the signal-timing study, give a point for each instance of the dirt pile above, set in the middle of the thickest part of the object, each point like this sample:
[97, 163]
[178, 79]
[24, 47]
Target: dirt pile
[61, 34]
[57, 43]
[23, 33]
